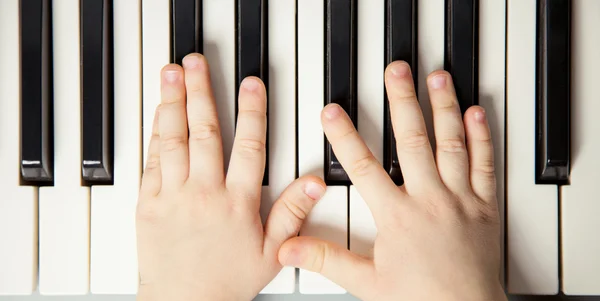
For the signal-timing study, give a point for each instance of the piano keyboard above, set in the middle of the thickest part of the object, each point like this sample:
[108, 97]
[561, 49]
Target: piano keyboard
[79, 82]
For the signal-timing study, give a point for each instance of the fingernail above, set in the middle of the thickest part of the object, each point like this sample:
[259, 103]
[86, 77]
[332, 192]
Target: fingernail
[332, 111]
[438, 81]
[249, 84]
[192, 61]
[400, 69]
[314, 190]
[171, 75]
[480, 116]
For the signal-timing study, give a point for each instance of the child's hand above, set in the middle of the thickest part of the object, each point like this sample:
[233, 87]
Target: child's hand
[200, 236]
[438, 235]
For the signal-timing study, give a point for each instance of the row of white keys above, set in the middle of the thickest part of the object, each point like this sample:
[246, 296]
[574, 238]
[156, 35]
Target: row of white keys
[113, 233]
[18, 204]
[329, 218]
[370, 98]
[282, 119]
[580, 203]
[531, 210]
[64, 209]
[492, 31]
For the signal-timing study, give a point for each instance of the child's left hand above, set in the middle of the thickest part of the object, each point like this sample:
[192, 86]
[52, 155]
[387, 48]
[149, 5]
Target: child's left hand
[200, 235]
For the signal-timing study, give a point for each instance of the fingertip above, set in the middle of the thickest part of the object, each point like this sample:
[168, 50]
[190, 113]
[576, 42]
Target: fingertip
[171, 73]
[397, 70]
[194, 61]
[476, 114]
[290, 254]
[314, 190]
[331, 111]
[252, 84]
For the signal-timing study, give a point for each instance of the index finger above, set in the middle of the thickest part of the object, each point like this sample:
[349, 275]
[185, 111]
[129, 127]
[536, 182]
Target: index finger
[365, 172]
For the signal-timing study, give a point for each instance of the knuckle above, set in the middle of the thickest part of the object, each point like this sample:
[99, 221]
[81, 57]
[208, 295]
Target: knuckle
[451, 145]
[173, 142]
[318, 260]
[251, 148]
[484, 213]
[296, 211]
[204, 131]
[364, 166]
[485, 168]
[153, 162]
[404, 96]
[414, 141]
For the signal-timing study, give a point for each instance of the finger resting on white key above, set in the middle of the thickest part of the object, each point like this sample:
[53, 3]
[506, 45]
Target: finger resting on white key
[412, 142]
[290, 210]
[481, 154]
[152, 176]
[354, 273]
[365, 172]
[205, 145]
[451, 150]
[173, 128]
[248, 156]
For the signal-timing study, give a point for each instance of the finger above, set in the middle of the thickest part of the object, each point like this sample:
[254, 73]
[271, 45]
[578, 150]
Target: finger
[355, 274]
[151, 178]
[481, 154]
[173, 128]
[247, 165]
[451, 150]
[205, 146]
[366, 173]
[290, 210]
[414, 150]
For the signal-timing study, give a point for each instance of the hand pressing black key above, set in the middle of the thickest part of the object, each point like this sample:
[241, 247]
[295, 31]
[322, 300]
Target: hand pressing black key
[400, 44]
[251, 51]
[340, 74]
[97, 90]
[36, 92]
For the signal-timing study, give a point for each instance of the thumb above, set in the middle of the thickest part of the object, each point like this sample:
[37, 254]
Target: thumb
[348, 270]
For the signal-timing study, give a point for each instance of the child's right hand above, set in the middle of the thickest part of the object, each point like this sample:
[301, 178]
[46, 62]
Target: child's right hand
[439, 234]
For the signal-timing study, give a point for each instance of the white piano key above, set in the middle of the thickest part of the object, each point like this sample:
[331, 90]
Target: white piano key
[580, 201]
[492, 32]
[64, 209]
[282, 119]
[370, 99]
[532, 210]
[18, 204]
[311, 86]
[430, 47]
[328, 221]
[156, 45]
[363, 230]
[219, 49]
[113, 235]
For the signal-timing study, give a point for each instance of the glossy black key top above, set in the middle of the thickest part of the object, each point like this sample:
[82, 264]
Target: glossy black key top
[252, 51]
[553, 91]
[400, 44]
[36, 92]
[340, 73]
[186, 28]
[97, 90]
[462, 49]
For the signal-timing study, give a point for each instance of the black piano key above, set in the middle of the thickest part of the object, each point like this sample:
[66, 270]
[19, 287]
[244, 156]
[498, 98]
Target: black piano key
[252, 51]
[97, 90]
[340, 73]
[36, 92]
[462, 49]
[400, 44]
[553, 91]
[186, 28]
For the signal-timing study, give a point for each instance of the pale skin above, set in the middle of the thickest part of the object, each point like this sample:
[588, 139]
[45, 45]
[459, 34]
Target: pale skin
[200, 235]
